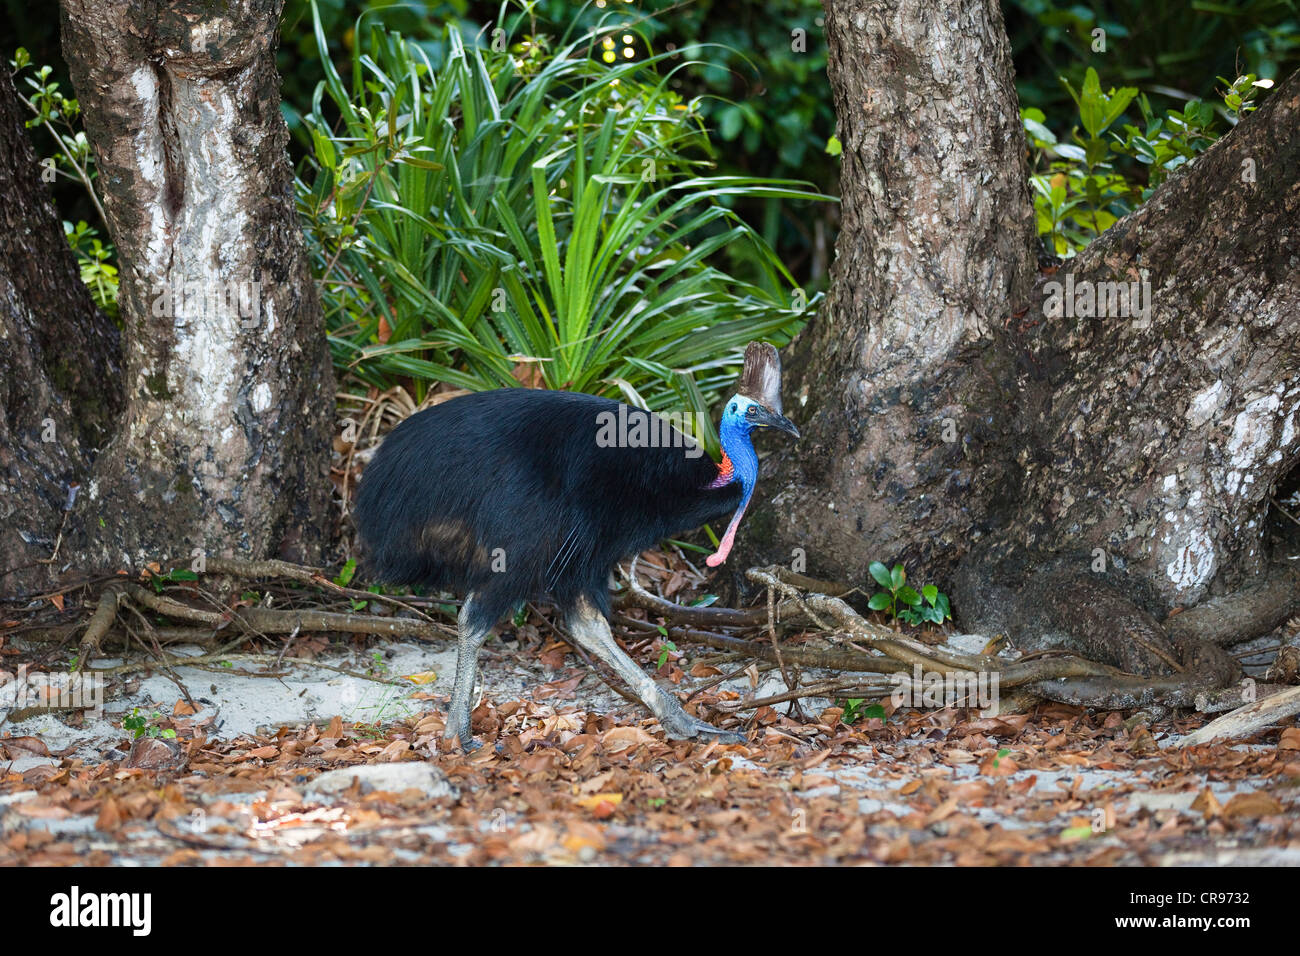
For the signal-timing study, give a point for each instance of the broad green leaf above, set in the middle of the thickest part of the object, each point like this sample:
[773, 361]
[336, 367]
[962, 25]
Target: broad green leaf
[880, 601]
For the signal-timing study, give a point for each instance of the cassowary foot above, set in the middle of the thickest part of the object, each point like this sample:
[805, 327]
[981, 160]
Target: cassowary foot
[467, 743]
[458, 728]
[685, 727]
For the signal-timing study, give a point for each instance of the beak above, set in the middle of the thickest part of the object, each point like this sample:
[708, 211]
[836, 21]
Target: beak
[770, 419]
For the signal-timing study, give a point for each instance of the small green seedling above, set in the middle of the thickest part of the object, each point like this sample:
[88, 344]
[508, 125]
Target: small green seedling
[903, 602]
[139, 726]
[854, 711]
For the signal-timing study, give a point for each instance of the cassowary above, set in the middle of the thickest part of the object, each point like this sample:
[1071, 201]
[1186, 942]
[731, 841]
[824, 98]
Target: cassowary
[518, 493]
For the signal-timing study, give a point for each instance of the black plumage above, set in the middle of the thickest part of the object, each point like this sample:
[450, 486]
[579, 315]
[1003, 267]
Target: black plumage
[509, 496]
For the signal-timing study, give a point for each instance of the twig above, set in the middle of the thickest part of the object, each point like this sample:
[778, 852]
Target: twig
[699, 616]
[790, 684]
[829, 688]
[1278, 505]
[272, 621]
[168, 672]
[723, 678]
[591, 665]
[241, 567]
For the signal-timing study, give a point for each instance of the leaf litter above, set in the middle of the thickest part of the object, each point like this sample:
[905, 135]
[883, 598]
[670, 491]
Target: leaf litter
[572, 774]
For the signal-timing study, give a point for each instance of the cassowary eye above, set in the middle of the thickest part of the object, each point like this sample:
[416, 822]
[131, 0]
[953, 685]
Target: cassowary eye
[751, 412]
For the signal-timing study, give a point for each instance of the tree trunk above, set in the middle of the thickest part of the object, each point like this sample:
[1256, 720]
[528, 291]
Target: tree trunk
[1071, 471]
[220, 443]
[1158, 433]
[937, 237]
[1152, 425]
[224, 447]
[60, 362]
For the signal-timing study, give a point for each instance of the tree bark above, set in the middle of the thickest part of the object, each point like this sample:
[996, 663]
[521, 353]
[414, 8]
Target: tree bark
[60, 361]
[1148, 442]
[1160, 437]
[224, 446]
[937, 237]
[207, 430]
[1071, 471]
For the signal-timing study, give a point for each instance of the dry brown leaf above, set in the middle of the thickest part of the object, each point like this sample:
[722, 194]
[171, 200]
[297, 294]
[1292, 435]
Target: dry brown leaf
[110, 816]
[1208, 804]
[1248, 805]
[995, 766]
[942, 811]
[394, 751]
[582, 834]
[30, 745]
[553, 654]
[529, 374]
[619, 739]
[973, 792]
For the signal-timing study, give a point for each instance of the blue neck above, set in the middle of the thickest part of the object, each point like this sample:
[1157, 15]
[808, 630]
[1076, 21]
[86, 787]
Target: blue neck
[744, 468]
[739, 448]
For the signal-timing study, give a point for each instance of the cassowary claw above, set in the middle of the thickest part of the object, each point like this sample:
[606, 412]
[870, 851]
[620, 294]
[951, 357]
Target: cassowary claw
[693, 727]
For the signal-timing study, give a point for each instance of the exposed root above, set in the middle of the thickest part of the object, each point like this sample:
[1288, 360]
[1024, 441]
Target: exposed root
[797, 628]
[272, 621]
[100, 622]
[1242, 615]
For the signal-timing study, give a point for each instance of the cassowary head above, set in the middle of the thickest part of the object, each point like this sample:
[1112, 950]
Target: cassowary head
[756, 404]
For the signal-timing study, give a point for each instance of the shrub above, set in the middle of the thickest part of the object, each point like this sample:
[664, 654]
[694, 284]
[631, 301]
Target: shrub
[1097, 174]
[514, 205]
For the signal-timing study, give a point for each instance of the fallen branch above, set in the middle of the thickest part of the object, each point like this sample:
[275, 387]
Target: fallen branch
[100, 622]
[274, 621]
[1247, 720]
[242, 568]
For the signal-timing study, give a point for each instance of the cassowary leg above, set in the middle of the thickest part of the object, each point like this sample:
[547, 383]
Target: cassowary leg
[471, 634]
[590, 629]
